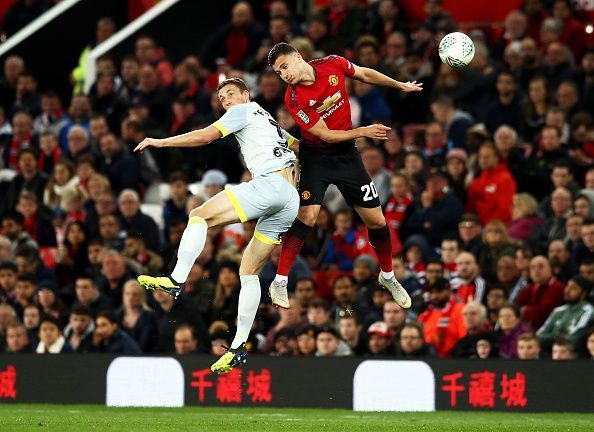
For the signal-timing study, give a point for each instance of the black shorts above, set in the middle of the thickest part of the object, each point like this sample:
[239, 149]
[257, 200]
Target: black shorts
[340, 165]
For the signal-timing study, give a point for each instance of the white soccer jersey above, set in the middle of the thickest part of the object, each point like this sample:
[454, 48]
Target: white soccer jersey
[263, 143]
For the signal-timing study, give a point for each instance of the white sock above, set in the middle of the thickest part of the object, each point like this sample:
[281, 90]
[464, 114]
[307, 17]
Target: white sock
[190, 248]
[388, 275]
[281, 278]
[249, 300]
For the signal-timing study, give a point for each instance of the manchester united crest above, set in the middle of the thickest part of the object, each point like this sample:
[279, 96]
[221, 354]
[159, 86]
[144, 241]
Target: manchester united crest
[333, 80]
[305, 195]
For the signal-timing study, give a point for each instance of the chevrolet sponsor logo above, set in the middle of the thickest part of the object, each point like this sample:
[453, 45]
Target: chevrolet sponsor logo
[329, 102]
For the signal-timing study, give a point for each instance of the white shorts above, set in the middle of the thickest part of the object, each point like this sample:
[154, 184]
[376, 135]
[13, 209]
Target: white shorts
[271, 199]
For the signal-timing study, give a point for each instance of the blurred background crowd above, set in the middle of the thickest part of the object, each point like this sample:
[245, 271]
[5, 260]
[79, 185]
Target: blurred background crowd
[487, 182]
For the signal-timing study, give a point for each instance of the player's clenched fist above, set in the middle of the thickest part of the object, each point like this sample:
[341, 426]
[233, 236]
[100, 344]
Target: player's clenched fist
[376, 131]
[148, 142]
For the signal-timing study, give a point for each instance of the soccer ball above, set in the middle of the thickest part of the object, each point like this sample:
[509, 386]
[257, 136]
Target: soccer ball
[456, 50]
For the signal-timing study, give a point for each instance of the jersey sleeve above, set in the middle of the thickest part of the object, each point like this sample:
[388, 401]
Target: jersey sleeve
[305, 117]
[343, 65]
[233, 120]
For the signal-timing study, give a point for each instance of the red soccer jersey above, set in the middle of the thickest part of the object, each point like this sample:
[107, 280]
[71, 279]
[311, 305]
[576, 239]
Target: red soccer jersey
[326, 98]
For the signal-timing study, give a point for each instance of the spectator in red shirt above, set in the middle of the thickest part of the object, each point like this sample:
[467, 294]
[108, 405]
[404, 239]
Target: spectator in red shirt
[22, 137]
[443, 321]
[469, 285]
[36, 224]
[545, 293]
[535, 15]
[400, 199]
[573, 30]
[147, 51]
[237, 40]
[451, 247]
[490, 194]
[346, 20]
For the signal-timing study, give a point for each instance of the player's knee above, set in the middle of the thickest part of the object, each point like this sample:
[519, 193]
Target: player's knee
[308, 217]
[201, 213]
[376, 222]
[248, 269]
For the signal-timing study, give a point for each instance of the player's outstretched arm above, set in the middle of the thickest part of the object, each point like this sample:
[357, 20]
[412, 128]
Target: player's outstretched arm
[191, 139]
[376, 131]
[371, 76]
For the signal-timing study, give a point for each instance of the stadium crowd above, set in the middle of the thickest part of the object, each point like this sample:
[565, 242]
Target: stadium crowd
[487, 182]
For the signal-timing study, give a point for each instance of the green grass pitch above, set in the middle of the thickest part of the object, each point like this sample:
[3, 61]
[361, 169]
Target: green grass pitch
[99, 418]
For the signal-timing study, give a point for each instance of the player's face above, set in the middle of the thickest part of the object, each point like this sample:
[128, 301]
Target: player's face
[287, 67]
[231, 95]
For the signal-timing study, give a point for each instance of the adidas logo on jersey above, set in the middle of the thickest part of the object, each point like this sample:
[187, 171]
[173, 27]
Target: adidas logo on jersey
[312, 102]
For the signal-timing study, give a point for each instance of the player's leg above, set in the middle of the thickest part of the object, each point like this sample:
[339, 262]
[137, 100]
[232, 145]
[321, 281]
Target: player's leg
[313, 182]
[360, 193]
[267, 235]
[254, 257]
[222, 209]
[379, 238]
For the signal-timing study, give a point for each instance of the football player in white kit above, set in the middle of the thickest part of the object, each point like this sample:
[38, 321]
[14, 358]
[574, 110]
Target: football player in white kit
[271, 197]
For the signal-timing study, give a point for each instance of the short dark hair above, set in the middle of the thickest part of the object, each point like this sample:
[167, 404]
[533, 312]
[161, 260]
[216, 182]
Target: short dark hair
[237, 82]
[434, 261]
[367, 41]
[278, 50]
[50, 94]
[14, 216]
[508, 73]
[307, 279]
[28, 252]
[491, 145]
[79, 309]
[109, 315]
[27, 150]
[564, 163]
[453, 238]
[340, 277]
[50, 319]
[86, 275]
[178, 221]
[177, 176]
[318, 303]
[328, 329]
[87, 158]
[27, 277]
[557, 131]
[342, 314]
[8, 265]
[564, 342]
[444, 100]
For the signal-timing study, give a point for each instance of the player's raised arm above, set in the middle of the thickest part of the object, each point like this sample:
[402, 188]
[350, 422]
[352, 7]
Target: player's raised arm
[320, 129]
[371, 76]
[190, 139]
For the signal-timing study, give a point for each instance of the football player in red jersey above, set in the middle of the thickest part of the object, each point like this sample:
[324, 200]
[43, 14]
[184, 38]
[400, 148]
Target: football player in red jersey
[317, 100]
